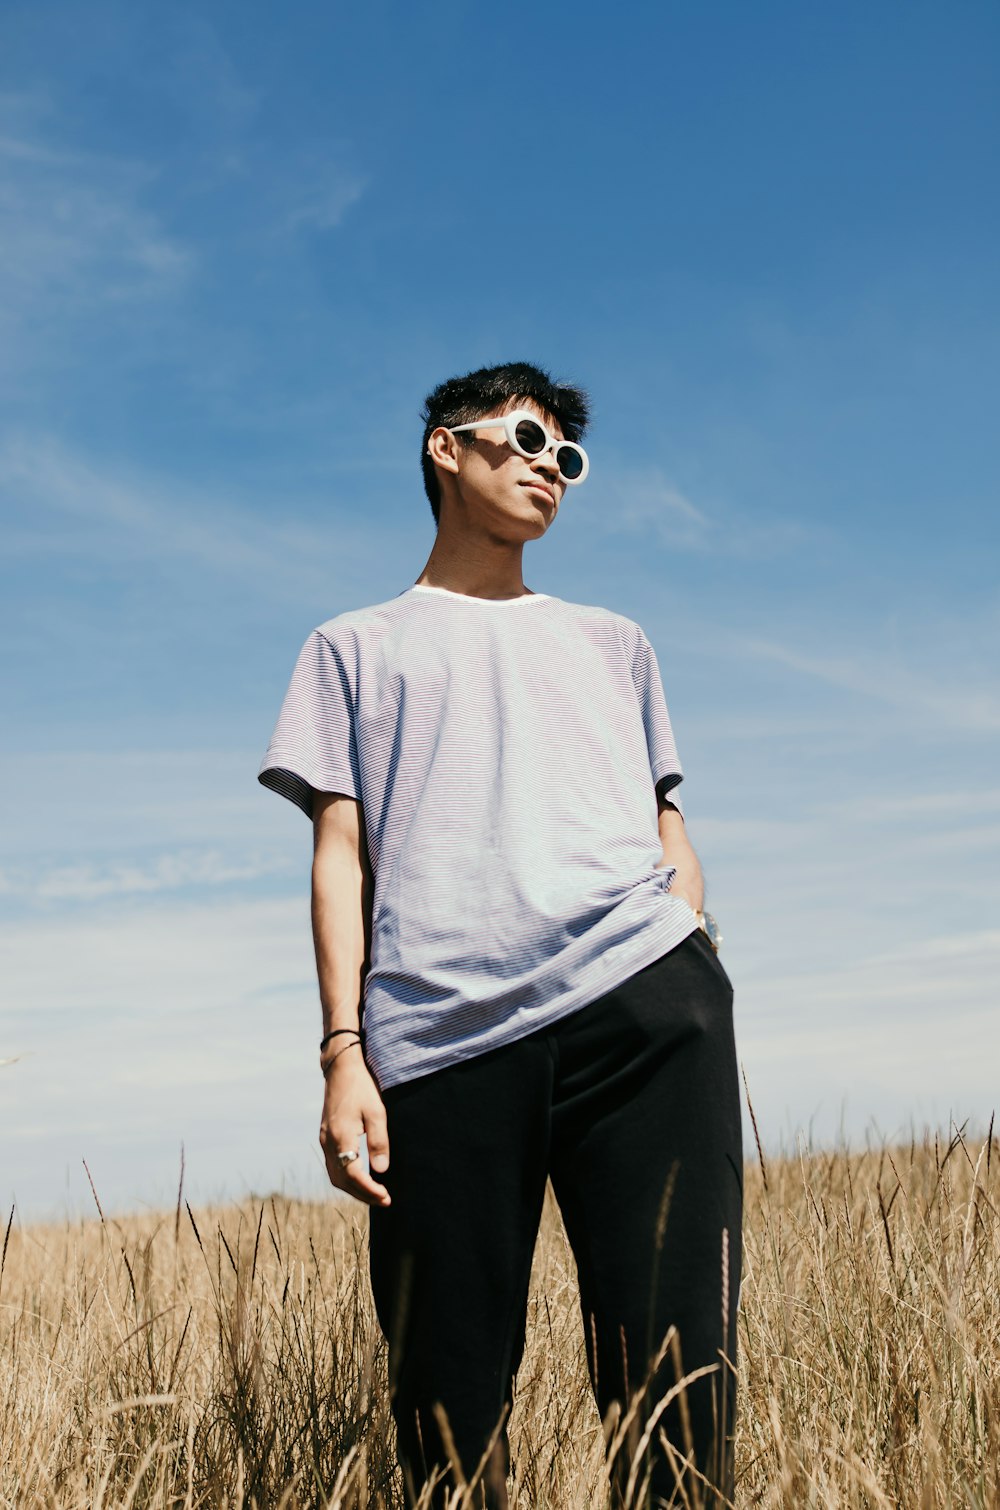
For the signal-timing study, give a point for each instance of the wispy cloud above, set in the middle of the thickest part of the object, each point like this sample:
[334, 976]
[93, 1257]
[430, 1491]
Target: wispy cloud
[648, 503]
[926, 806]
[150, 1022]
[77, 507]
[223, 948]
[92, 242]
[73, 805]
[649, 500]
[907, 1037]
[645, 501]
[320, 194]
[314, 186]
[889, 682]
[75, 230]
[182, 871]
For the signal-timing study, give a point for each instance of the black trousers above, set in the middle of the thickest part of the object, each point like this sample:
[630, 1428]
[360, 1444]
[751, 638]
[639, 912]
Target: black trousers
[631, 1105]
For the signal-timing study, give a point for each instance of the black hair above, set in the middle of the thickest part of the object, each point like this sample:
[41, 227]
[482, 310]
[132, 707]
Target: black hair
[461, 400]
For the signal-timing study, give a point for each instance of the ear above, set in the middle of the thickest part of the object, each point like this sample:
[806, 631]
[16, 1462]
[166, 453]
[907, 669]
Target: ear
[443, 449]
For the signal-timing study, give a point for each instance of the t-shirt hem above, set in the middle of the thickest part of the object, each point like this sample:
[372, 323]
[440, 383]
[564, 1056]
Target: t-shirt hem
[662, 938]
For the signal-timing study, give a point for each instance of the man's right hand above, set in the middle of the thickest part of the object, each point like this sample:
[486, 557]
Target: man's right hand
[352, 1106]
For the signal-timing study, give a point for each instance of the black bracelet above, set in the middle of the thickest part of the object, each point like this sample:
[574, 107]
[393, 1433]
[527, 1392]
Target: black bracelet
[333, 1057]
[324, 1041]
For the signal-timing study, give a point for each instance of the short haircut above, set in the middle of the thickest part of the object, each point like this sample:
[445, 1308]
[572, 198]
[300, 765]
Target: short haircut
[461, 400]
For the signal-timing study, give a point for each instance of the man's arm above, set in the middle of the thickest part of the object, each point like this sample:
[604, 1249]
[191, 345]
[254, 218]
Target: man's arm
[341, 920]
[677, 851]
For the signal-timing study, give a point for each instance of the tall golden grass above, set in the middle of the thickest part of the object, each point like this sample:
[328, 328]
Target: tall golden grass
[230, 1357]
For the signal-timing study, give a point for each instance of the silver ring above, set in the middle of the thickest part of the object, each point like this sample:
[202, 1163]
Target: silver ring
[347, 1157]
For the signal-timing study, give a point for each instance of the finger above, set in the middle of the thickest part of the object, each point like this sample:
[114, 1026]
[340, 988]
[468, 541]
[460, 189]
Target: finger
[352, 1178]
[377, 1134]
[360, 1184]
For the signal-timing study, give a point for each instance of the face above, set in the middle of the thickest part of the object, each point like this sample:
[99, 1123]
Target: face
[511, 497]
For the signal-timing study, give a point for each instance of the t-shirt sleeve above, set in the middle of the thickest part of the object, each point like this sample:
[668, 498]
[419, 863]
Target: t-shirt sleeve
[314, 746]
[663, 761]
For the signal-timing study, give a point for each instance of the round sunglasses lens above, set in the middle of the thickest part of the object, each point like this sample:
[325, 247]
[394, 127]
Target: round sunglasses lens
[530, 436]
[570, 462]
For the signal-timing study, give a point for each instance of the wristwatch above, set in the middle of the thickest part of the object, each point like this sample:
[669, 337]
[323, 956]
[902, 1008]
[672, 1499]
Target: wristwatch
[710, 929]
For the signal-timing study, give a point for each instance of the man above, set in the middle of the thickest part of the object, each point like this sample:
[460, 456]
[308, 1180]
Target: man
[517, 979]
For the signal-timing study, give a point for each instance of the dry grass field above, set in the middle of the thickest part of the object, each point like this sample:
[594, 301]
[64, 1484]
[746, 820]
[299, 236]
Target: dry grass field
[231, 1357]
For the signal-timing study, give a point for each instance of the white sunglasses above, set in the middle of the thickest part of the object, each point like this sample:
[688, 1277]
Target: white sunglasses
[528, 437]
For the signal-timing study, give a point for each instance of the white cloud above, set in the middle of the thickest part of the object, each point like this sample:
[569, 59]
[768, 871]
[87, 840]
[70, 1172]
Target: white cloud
[646, 502]
[75, 232]
[148, 1025]
[92, 256]
[899, 1037]
[926, 805]
[77, 507]
[69, 802]
[84, 828]
[321, 198]
[171, 872]
[203, 78]
[137, 968]
[888, 681]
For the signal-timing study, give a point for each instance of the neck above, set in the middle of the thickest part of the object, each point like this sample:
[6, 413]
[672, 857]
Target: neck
[479, 568]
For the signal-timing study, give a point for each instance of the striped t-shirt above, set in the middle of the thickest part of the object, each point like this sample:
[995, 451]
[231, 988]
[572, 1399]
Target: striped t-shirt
[506, 754]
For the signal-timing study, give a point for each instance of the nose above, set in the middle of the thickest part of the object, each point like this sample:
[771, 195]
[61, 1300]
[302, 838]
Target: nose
[547, 459]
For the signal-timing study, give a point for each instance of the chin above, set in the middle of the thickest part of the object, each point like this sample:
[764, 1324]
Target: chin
[531, 529]
[521, 520]
[538, 518]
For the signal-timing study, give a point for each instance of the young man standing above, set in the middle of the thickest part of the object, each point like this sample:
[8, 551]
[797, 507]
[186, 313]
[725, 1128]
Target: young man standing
[516, 976]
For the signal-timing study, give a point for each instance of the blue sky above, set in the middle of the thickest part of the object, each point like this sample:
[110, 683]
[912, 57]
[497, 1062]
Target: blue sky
[238, 247]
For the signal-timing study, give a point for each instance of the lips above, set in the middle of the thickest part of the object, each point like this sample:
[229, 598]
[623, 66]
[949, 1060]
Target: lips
[540, 487]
